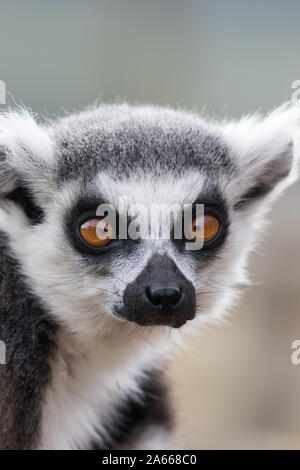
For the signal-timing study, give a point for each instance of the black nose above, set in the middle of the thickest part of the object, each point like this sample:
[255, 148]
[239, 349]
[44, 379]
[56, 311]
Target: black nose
[160, 295]
[164, 297]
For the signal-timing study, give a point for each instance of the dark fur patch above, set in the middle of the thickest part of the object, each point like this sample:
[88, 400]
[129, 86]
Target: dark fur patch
[29, 338]
[135, 414]
[256, 192]
[270, 176]
[23, 197]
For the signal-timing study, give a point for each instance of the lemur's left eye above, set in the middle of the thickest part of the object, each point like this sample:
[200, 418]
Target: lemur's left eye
[205, 228]
[96, 232]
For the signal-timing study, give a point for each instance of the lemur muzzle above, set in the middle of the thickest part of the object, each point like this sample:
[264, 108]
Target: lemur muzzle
[160, 295]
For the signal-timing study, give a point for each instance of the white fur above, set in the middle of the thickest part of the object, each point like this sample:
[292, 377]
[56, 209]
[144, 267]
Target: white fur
[26, 152]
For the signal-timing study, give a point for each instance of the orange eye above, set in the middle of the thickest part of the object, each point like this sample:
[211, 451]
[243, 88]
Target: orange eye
[96, 232]
[205, 228]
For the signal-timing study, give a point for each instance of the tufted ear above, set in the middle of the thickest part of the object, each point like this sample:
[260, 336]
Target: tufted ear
[26, 155]
[265, 152]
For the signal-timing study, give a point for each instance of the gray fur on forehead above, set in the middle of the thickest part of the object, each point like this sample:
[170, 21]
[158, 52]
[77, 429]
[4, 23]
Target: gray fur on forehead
[123, 139]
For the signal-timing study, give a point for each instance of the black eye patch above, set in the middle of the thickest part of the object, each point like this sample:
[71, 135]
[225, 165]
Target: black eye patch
[215, 206]
[86, 209]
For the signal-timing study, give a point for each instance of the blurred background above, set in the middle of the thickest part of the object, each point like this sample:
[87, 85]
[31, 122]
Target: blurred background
[235, 386]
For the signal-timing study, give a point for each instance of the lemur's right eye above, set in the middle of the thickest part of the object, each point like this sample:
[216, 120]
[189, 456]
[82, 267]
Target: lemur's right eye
[96, 232]
[205, 228]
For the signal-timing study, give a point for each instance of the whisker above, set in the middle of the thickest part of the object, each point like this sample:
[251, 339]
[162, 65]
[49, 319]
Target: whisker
[82, 286]
[119, 279]
[212, 292]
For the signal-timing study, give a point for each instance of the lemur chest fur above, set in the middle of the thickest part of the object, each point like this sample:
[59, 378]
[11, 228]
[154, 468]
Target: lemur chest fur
[90, 393]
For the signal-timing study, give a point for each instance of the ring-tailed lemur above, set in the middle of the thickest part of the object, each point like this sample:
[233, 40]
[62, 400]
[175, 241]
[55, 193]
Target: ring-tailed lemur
[86, 325]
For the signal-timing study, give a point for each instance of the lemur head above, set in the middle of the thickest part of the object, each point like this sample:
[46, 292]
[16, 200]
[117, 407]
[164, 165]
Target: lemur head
[54, 178]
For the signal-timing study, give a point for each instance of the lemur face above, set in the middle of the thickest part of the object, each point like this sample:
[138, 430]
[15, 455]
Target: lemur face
[54, 178]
